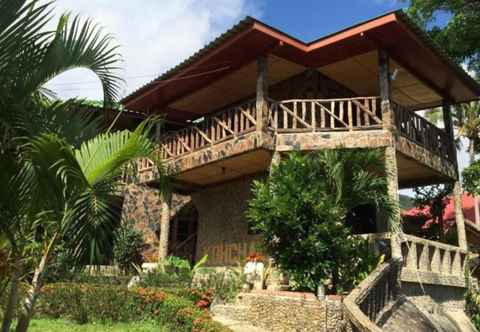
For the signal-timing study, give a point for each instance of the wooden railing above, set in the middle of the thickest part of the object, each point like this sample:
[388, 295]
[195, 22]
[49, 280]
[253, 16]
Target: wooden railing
[325, 114]
[423, 132]
[364, 304]
[425, 256]
[211, 130]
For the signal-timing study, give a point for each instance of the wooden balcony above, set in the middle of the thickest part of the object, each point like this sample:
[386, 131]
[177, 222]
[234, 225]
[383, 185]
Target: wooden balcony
[297, 124]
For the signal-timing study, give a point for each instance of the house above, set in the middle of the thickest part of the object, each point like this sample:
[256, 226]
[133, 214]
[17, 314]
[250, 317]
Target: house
[255, 93]
[419, 221]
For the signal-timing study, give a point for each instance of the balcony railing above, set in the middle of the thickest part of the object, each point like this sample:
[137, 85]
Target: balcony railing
[300, 115]
[213, 129]
[325, 114]
[423, 132]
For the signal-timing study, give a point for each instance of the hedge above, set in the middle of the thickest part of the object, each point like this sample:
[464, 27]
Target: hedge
[88, 303]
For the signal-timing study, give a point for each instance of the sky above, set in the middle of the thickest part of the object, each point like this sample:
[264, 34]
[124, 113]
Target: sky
[155, 35]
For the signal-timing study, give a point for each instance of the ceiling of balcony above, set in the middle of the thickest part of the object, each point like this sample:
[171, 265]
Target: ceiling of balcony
[239, 85]
[360, 74]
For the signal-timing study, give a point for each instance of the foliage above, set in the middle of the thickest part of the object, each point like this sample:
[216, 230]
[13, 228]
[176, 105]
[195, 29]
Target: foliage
[173, 272]
[436, 198]
[63, 265]
[87, 303]
[301, 208]
[472, 306]
[224, 285]
[460, 35]
[128, 247]
[60, 325]
[471, 178]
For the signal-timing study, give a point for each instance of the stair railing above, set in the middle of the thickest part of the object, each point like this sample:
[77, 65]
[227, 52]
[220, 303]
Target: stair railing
[364, 303]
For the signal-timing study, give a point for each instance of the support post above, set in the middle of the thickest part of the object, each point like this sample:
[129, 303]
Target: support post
[385, 88]
[394, 225]
[276, 158]
[262, 93]
[448, 124]
[164, 227]
[459, 221]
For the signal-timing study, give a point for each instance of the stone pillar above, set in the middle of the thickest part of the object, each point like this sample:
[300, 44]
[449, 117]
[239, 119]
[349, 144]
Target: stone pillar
[462, 237]
[276, 158]
[262, 93]
[394, 224]
[164, 228]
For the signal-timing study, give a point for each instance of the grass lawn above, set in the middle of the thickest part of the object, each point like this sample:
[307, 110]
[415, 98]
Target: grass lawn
[59, 325]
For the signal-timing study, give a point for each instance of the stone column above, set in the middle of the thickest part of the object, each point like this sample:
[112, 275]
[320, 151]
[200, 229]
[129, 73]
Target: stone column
[276, 158]
[394, 225]
[462, 237]
[164, 227]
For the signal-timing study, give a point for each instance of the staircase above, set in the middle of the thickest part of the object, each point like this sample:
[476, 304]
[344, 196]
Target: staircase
[423, 291]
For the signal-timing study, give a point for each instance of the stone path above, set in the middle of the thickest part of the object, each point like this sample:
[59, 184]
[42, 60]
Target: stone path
[237, 326]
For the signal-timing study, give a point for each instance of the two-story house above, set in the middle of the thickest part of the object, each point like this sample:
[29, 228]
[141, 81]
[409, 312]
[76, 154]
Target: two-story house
[256, 93]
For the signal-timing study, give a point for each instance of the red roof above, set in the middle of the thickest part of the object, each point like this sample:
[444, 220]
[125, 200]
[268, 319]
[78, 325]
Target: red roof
[405, 43]
[468, 207]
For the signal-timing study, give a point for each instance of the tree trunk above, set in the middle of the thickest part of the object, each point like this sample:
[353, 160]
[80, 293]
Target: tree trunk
[471, 152]
[12, 297]
[34, 290]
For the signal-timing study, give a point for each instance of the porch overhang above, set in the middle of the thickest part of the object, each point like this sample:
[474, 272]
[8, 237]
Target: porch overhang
[394, 32]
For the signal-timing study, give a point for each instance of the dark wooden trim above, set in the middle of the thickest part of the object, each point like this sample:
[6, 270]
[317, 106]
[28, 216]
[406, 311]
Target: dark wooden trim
[384, 83]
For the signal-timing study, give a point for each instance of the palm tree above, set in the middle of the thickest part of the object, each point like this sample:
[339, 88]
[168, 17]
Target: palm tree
[72, 191]
[52, 183]
[467, 121]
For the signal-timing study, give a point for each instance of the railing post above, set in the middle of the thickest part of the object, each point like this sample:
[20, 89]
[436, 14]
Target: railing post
[262, 93]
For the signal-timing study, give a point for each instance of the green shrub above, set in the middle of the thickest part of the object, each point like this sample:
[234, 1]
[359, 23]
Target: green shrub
[224, 285]
[301, 209]
[472, 299]
[128, 247]
[88, 303]
[174, 272]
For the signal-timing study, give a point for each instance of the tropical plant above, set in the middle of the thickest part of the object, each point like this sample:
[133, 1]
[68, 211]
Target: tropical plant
[128, 247]
[53, 183]
[300, 210]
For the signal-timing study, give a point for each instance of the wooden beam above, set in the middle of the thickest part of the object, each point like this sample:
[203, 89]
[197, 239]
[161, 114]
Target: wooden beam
[448, 125]
[262, 92]
[384, 75]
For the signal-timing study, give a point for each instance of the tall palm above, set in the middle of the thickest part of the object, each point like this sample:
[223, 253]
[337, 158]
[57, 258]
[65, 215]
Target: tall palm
[31, 55]
[71, 191]
[467, 121]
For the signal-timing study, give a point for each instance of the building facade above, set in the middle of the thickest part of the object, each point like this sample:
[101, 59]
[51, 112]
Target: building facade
[255, 93]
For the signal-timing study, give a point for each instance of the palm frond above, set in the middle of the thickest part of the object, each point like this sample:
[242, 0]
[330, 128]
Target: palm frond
[81, 45]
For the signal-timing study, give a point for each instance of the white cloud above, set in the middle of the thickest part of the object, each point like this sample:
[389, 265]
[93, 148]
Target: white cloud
[154, 35]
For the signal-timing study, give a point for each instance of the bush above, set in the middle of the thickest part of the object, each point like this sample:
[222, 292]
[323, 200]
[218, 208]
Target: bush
[86, 303]
[301, 209]
[224, 286]
[128, 247]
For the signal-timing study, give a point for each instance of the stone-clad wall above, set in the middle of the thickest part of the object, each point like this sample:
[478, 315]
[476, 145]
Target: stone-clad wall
[142, 209]
[286, 311]
[222, 228]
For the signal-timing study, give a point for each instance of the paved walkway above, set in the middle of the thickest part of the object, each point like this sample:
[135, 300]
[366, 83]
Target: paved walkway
[237, 326]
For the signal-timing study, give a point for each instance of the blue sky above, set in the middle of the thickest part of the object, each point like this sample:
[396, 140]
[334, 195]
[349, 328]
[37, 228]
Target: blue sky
[308, 20]
[159, 34]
